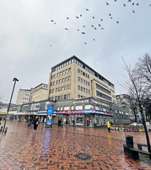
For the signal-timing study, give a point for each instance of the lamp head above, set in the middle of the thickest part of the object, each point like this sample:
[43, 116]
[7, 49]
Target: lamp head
[15, 79]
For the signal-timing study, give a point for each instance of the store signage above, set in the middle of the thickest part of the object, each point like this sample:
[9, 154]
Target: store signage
[50, 110]
[69, 112]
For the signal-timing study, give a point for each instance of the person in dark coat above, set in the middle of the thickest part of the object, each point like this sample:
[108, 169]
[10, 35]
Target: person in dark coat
[36, 122]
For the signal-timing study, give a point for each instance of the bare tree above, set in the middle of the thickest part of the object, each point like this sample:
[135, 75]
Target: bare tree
[143, 67]
[147, 107]
[133, 106]
[139, 88]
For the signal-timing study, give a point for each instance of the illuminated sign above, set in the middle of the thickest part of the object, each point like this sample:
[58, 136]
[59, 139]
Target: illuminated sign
[50, 110]
[70, 112]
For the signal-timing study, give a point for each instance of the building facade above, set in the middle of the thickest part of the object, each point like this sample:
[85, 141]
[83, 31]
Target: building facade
[40, 92]
[23, 96]
[73, 79]
[123, 102]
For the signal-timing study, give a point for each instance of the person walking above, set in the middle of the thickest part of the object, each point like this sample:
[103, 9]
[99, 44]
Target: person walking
[109, 126]
[36, 122]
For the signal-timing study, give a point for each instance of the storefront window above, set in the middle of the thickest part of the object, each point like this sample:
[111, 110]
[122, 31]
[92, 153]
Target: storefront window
[79, 120]
[88, 107]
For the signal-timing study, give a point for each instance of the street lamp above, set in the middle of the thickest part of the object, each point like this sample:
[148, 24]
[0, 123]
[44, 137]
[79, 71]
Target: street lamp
[14, 80]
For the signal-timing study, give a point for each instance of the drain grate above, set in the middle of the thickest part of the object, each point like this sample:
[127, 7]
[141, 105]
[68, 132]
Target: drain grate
[83, 156]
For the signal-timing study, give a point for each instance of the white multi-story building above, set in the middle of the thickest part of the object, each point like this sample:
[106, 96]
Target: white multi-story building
[40, 92]
[23, 96]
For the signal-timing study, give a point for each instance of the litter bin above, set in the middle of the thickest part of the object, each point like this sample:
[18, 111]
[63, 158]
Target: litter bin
[129, 141]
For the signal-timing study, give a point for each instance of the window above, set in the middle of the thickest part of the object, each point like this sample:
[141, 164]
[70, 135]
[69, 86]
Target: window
[68, 96]
[99, 94]
[102, 89]
[88, 107]
[78, 87]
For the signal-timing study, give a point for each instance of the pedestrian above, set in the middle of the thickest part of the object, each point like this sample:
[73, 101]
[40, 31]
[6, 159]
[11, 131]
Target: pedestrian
[109, 126]
[36, 122]
[0, 120]
[73, 122]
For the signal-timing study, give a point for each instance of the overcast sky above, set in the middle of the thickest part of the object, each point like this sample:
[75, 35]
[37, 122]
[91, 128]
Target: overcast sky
[30, 43]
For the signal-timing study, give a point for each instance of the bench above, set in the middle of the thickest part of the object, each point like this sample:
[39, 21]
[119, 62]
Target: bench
[134, 153]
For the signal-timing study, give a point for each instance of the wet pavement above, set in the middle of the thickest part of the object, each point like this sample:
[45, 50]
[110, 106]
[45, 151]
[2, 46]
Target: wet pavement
[22, 148]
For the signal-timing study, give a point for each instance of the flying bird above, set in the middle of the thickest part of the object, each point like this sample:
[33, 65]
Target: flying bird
[107, 3]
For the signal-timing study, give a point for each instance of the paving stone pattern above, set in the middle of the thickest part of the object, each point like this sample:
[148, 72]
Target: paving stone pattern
[22, 148]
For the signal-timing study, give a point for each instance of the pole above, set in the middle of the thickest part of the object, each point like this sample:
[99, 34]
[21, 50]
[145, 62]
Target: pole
[15, 80]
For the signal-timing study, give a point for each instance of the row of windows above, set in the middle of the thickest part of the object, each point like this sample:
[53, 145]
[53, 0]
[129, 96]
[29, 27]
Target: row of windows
[83, 81]
[99, 94]
[59, 89]
[83, 73]
[62, 97]
[65, 64]
[102, 89]
[60, 81]
[61, 73]
[26, 99]
[83, 89]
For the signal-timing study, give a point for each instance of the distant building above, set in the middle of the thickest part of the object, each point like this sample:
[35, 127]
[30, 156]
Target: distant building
[40, 92]
[23, 96]
[123, 102]
[73, 79]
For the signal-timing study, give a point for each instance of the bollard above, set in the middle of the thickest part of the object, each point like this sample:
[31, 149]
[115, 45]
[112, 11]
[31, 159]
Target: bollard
[129, 141]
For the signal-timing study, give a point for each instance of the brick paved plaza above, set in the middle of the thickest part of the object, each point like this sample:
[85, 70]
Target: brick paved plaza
[56, 149]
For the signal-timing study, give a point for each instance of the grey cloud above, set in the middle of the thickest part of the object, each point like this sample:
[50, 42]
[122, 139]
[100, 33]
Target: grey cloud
[30, 45]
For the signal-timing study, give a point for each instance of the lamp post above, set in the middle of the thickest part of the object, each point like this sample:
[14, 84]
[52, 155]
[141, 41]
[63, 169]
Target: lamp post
[14, 80]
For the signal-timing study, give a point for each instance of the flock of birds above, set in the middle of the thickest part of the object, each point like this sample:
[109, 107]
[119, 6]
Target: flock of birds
[81, 28]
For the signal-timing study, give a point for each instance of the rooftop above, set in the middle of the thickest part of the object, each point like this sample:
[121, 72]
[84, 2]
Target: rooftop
[84, 65]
